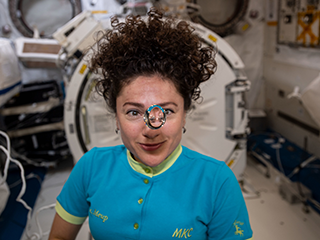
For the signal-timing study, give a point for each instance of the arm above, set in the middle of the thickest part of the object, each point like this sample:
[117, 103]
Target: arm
[62, 230]
[73, 210]
[230, 219]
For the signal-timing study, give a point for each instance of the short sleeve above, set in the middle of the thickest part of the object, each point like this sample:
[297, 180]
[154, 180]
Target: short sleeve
[230, 220]
[72, 205]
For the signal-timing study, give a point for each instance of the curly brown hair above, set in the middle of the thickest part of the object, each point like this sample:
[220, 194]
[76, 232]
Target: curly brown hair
[157, 46]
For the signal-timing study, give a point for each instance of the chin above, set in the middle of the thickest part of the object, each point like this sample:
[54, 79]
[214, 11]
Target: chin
[152, 162]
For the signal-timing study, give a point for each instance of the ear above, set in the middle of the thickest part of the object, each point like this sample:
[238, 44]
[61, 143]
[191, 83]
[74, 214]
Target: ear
[184, 118]
[117, 122]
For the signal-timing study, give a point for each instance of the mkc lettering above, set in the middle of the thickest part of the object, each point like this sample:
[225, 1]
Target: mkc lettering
[182, 233]
[99, 215]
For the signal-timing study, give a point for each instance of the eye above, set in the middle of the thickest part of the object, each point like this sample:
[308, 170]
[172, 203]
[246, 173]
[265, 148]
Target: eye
[168, 111]
[133, 113]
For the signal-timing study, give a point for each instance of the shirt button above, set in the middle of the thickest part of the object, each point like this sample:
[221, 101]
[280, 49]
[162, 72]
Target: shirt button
[147, 170]
[140, 201]
[136, 226]
[146, 181]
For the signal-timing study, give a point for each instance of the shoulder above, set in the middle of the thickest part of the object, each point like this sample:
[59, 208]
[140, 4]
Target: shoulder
[101, 155]
[201, 158]
[98, 160]
[107, 151]
[208, 164]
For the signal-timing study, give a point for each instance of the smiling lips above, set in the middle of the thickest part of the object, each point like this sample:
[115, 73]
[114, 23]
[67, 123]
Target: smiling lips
[151, 147]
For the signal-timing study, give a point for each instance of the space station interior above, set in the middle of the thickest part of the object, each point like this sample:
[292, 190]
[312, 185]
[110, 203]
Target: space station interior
[260, 110]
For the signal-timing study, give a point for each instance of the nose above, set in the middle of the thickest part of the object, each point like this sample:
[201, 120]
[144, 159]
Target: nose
[154, 117]
[150, 133]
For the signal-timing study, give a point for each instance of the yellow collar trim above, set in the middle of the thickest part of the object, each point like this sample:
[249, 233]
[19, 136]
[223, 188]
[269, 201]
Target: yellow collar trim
[154, 171]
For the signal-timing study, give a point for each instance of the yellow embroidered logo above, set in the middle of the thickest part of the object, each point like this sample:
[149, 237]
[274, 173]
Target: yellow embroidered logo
[238, 231]
[186, 233]
[99, 215]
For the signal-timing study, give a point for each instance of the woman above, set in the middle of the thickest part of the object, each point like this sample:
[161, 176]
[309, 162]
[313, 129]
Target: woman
[151, 187]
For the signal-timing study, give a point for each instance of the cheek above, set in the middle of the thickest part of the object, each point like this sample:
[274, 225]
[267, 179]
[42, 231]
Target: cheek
[129, 130]
[174, 127]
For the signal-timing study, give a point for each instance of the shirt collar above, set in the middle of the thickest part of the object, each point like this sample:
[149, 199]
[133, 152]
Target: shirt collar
[154, 171]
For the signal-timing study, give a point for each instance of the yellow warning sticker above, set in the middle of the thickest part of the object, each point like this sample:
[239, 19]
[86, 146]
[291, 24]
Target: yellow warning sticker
[212, 38]
[99, 12]
[83, 68]
[245, 27]
[230, 163]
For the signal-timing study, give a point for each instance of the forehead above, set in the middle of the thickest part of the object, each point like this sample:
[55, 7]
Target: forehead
[146, 89]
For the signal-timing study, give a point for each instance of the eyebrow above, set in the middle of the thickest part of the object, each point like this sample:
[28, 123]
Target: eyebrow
[139, 105]
[167, 103]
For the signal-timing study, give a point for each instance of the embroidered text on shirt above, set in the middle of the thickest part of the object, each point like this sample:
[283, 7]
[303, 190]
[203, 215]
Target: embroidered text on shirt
[99, 215]
[180, 234]
[238, 229]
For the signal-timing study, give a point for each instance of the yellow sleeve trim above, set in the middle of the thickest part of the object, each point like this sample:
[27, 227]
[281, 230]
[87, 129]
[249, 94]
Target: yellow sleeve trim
[68, 217]
[250, 239]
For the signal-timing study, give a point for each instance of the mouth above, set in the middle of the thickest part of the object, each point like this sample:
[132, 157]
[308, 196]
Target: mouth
[150, 147]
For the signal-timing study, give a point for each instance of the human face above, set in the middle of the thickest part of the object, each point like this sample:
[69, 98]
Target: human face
[149, 146]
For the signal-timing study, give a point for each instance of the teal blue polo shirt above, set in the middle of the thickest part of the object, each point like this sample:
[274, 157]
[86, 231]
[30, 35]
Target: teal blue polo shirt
[189, 195]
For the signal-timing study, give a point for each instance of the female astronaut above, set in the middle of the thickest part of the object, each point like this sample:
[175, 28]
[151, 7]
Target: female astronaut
[151, 187]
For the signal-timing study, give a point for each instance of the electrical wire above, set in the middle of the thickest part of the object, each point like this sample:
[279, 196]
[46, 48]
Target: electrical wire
[315, 203]
[5, 175]
[34, 236]
[34, 162]
[23, 188]
[302, 165]
[296, 170]
[30, 176]
[275, 146]
[40, 235]
[29, 120]
[7, 162]
[279, 159]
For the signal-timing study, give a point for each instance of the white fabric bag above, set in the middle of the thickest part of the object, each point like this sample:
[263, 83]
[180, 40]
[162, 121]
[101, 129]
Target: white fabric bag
[10, 75]
[310, 98]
